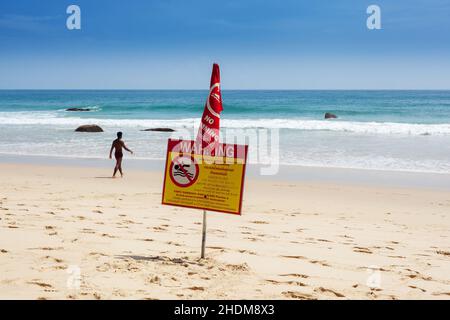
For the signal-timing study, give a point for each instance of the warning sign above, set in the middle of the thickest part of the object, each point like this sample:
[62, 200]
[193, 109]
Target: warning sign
[204, 182]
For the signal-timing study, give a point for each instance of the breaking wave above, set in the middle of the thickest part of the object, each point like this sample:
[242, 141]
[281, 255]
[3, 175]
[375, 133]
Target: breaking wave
[385, 128]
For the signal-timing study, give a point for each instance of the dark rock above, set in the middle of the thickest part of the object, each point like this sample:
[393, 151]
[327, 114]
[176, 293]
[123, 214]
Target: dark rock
[89, 128]
[78, 109]
[160, 129]
[330, 116]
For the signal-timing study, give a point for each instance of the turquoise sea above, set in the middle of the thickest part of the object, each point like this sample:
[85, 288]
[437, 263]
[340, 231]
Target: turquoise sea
[387, 130]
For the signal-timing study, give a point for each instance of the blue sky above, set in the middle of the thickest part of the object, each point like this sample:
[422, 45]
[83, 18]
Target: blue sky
[171, 44]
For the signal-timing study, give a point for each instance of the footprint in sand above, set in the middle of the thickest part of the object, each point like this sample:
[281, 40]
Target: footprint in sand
[295, 275]
[98, 254]
[173, 244]
[196, 288]
[329, 291]
[247, 252]
[237, 267]
[108, 235]
[154, 279]
[252, 239]
[298, 295]
[3, 251]
[57, 260]
[420, 276]
[41, 284]
[47, 248]
[322, 263]
[414, 287]
[294, 257]
[362, 250]
[133, 222]
[294, 283]
[216, 248]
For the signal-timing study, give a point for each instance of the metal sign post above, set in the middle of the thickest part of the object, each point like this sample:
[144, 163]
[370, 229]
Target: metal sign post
[203, 234]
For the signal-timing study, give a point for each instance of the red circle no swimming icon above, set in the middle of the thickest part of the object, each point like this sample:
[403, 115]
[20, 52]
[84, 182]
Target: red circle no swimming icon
[183, 171]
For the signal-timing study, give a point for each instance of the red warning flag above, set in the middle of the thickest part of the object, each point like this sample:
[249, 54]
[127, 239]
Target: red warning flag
[208, 133]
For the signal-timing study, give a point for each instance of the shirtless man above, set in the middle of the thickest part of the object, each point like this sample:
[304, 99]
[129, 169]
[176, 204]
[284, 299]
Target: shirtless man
[118, 144]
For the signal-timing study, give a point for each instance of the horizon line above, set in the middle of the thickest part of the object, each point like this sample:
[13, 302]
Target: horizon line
[232, 89]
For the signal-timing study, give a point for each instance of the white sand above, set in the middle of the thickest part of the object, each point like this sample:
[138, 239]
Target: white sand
[294, 240]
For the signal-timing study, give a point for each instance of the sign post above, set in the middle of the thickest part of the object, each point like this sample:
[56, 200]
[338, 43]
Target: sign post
[203, 235]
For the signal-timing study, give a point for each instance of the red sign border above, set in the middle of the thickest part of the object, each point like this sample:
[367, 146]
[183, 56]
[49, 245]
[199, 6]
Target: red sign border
[169, 141]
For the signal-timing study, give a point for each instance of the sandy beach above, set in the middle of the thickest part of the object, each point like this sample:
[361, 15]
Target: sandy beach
[73, 233]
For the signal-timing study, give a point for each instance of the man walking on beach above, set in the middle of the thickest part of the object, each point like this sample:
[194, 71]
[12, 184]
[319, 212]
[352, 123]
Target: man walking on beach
[118, 144]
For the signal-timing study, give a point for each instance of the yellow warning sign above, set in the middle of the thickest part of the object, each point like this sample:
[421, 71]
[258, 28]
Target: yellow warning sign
[212, 183]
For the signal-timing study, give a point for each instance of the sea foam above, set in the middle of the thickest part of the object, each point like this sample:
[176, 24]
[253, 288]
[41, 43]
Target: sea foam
[359, 127]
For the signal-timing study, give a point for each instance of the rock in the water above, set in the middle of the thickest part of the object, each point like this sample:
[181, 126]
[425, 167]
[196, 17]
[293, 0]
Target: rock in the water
[78, 109]
[89, 128]
[329, 115]
[160, 129]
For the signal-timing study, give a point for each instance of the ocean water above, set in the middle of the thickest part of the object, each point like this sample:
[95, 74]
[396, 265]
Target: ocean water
[385, 130]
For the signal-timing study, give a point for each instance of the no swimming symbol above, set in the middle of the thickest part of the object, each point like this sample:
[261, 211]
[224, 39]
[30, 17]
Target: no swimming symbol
[184, 171]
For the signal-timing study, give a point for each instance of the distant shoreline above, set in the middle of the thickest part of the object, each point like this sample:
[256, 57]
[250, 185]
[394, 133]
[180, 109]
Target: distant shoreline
[294, 173]
[225, 90]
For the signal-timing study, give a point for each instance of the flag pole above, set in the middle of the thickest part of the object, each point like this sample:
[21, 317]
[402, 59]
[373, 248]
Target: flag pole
[203, 234]
[208, 133]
